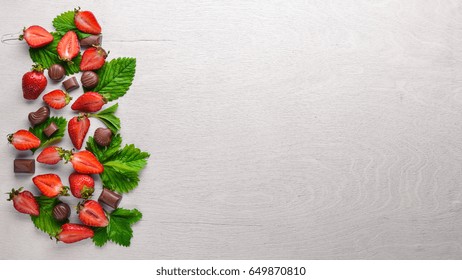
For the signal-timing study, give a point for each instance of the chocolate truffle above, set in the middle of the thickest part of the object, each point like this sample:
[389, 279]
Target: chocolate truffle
[61, 211]
[91, 40]
[110, 198]
[49, 130]
[89, 79]
[39, 116]
[103, 136]
[56, 72]
[24, 166]
[71, 84]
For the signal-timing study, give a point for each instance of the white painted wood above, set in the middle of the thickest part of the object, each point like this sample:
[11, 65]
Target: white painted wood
[278, 129]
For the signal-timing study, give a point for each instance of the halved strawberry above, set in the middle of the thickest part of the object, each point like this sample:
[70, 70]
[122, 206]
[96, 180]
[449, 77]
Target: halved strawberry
[50, 155]
[89, 102]
[77, 129]
[91, 213]
[85, 21]
[24, 202]
[57, 99]
[36, 36]
[24, 140]
[68, 46]
[82, 185]
[50, 185]
[71, 233]
[86, 163]
[93, 58]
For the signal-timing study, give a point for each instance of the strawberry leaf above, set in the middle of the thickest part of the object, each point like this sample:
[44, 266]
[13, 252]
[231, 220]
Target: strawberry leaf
[45, 140]
[108, 118]
[116, 77]
[100, 236]
[103, 153]
[65, 22]
[48, 55]
[45, 221]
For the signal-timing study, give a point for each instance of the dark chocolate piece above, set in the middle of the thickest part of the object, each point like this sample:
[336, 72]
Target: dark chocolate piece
[24, 166]
[49, 130]
[56, 72]
[61, 211]
[39, 116]
[71, 84]
[89, 79]
[103, 136]
[110, 198]
[91, 40]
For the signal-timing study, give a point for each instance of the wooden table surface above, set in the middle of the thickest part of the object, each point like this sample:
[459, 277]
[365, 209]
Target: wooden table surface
[278, 129]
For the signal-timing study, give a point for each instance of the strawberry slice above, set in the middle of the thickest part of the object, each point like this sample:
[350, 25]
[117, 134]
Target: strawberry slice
[85, 21]
[68, 47]
[86, 163]
[24, 202]
[57, 99]
[24, 140]
[93, 59]
[71, 233]
[50, 155]
[50, 185]
[89, 102]
[91, 213]
[36, 36]
[82, 185]
[77, 129]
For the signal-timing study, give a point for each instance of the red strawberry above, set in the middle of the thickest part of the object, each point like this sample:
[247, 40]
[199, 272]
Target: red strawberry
[86, 22]
[36, 36]
[86, 163]
[71, 233]
[93, 59]
[24, 140]
[89, 102]
[82, 185]
[77, 129]
[50, 155]
[68, 46]
[91, 213]
[33, 83]
[24, 202]
[57, 99]
[50, 185]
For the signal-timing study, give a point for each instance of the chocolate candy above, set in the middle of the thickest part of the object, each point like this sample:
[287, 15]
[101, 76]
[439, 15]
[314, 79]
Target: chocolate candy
[71, 84]
[61, 211]
[56, 72]
[89, 79]
[91, 40]
[103, 136]
[49, 130]
[24, 166]
[39, 116]
[110, 198]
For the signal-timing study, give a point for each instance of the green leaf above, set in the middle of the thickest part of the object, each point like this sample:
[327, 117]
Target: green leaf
[109, 119]
[103, 153]
[100, 236]
[132, 216]
[48, 55]
[116, 77]
[45, 221]
[37, 130]
[65, 22]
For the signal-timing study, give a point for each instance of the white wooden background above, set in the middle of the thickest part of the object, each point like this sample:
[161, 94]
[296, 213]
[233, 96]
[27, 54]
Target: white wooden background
[278, 129]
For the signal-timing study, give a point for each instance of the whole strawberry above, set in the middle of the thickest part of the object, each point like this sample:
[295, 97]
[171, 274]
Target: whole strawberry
[24, 140]
[85, 21]
[50, 185]
[93, 58]
[86, 163]
[24, 202]
[57, 99]
[36, 36]
[33, 83]
[89, 102]
[71, 233]
[68, 47]
[91, 213]
[51, 155]
[81, 185]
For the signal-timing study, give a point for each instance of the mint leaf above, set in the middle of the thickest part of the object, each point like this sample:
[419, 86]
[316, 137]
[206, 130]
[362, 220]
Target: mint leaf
[65, 22]
[100, 236]
[48, 55]
[116, 77]
[45, 141]
[45, 221]
[108, 118]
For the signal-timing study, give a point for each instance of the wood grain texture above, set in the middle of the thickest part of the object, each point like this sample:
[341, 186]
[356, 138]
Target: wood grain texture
[278, 129]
